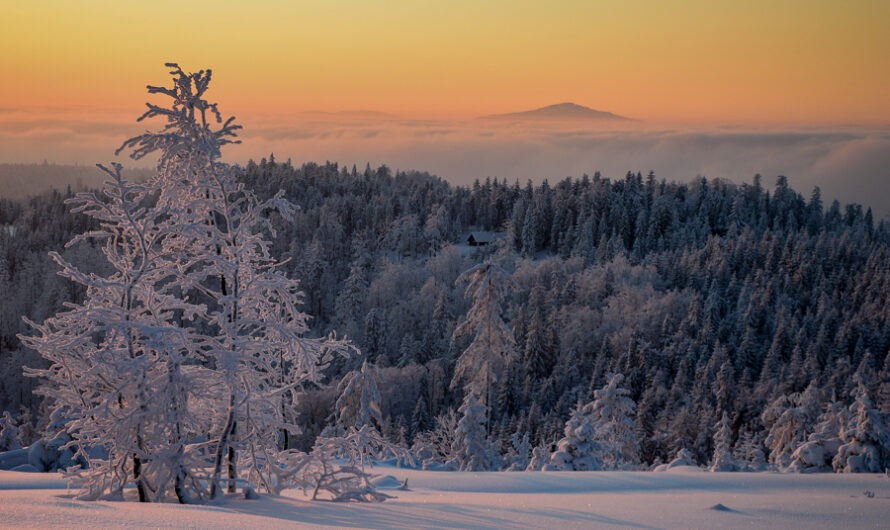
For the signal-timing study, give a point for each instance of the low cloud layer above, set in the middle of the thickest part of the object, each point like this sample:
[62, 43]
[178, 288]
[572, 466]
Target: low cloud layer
[851, 165]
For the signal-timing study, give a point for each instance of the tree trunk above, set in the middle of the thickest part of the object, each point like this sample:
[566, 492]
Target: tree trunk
[233, 471]
[179, 486]
[137, 476]
[222, 447]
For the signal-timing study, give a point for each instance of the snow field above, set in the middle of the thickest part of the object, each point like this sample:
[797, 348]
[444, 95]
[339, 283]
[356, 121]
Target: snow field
[679, 498]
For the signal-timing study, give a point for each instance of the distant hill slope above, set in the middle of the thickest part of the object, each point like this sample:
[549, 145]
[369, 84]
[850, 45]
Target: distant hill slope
[560, 111]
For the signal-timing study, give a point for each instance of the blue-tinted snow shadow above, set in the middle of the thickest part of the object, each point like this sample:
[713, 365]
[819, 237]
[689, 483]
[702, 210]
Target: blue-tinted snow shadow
[394, 515]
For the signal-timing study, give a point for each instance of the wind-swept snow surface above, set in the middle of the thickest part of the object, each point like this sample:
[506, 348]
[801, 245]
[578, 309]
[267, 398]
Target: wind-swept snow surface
[679, 498]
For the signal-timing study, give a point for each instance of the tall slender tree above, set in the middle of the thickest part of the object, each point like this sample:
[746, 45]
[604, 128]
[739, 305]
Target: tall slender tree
[492, 348]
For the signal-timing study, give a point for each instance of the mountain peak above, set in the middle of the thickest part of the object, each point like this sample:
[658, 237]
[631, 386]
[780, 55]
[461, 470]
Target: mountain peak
[560, 111]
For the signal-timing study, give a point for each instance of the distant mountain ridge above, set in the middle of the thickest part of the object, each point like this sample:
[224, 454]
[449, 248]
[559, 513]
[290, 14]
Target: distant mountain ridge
[560, 111]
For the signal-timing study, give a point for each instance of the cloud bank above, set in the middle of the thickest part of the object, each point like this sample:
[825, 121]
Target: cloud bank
[848, 164]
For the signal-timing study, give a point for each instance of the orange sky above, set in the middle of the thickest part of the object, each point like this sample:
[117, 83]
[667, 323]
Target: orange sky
[717, 61]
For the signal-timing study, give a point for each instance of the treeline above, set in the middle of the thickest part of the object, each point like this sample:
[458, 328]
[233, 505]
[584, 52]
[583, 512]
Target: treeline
[709, 298]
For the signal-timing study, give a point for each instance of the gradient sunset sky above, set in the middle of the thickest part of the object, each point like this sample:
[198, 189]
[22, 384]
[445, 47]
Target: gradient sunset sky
[74, 76]
[802, 61]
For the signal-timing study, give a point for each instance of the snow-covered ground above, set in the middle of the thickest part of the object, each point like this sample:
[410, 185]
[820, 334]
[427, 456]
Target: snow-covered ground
[679, 498]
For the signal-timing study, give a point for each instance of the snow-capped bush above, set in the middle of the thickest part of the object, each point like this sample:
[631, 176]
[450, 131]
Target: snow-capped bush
[434, 448]
[56, 451]
[684, 458]
[337, 466]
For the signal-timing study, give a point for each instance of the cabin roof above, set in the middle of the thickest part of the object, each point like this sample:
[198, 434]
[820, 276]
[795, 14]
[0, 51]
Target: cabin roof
[483, 237]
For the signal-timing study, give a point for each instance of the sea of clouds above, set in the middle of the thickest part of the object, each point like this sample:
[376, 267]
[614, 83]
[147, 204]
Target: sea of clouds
[850, 164]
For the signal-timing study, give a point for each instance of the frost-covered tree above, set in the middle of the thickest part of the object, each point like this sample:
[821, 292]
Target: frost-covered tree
[578, 449]
[600, 434]
[115, 359]
[537, 353]
[789, 420]
[256, 344]
[359, 401]
[614, 412]
[182, 356]
[492, 348]
[723, 459]
[866, 438]
[818, 452]
[748, 452]
[518, 456]
[471, 449]
[10, 434]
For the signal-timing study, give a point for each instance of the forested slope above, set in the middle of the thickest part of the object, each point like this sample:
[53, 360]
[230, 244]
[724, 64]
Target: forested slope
[708, 297]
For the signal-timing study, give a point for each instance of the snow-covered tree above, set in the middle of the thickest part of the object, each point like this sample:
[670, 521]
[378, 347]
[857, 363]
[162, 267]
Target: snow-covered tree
[723, 459]
[257, 344]
[115, 359]
[578, 450]
[614, 412]
[359, 401]
[866, 438]
[196, 334]
[471, 449]
[818, 452]
[492, 348]
[748, 452]
[518, 456]
[10, 435]
[600, 434]
[435, 447]
[789, 418]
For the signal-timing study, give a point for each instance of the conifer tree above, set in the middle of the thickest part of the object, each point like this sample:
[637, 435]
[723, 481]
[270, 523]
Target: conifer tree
[866, 437]
[614, 413]
[471, 448]
[359, 401]
[723, 459]
[492, 348]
